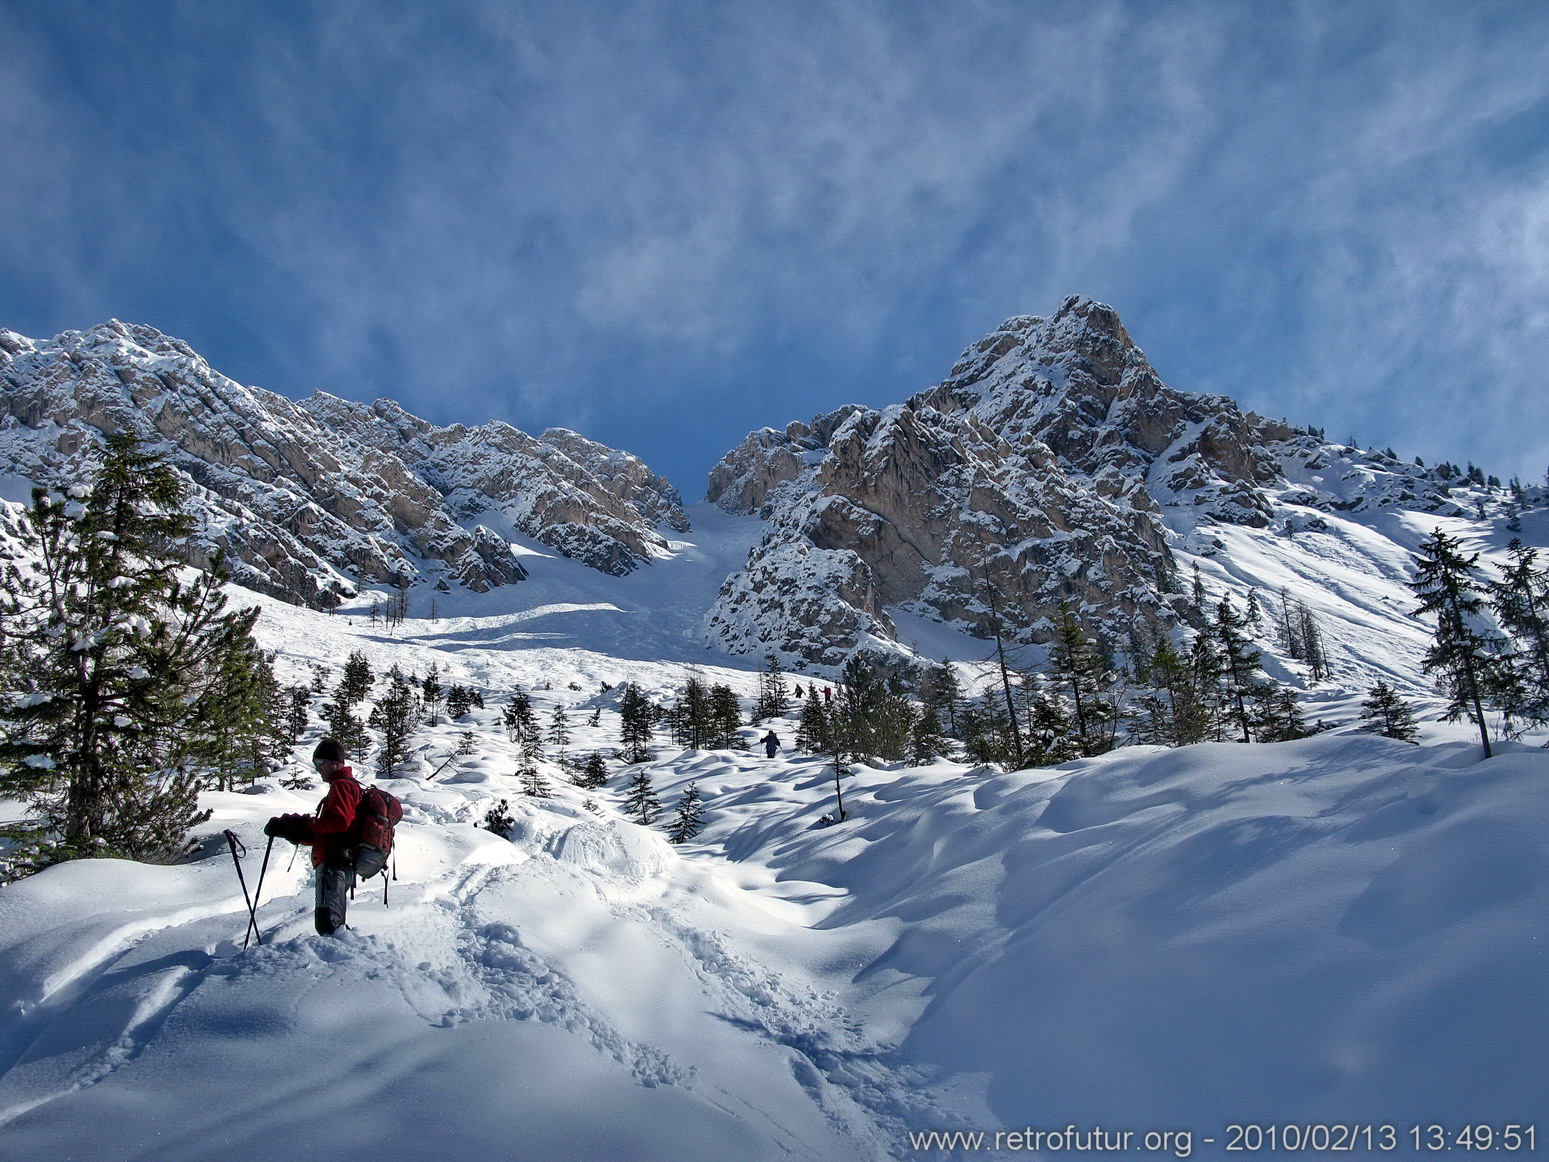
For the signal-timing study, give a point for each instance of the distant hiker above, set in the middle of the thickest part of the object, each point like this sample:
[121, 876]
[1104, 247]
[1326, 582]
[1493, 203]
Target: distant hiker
[331, 834]
[771, 744]
[828, 695]
[799, 694]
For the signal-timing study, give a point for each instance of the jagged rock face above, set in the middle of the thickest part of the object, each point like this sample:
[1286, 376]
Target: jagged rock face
[1077, 384]
[581, 498]
[1043, 471]
[934, 512]
[310, 499]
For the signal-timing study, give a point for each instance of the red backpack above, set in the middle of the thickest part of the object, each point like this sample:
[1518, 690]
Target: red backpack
[375, 818]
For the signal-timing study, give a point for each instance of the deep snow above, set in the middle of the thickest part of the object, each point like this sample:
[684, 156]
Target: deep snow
[1343, 929]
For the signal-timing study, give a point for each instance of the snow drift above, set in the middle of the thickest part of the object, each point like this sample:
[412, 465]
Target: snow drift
[1343, 929]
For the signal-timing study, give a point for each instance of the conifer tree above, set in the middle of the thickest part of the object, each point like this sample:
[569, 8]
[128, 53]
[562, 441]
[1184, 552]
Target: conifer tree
[927, 741]
[1313, 651]
[298, 713]
[239, 735]
[1205, 665]
[534, 782]
[1086, 676]
[1239, 659]
[690, 817]
[724, 726]
[773, 699]
[987, 734]
[1177, 704]
[942, 692]
[1252, 613]
[1521, 601]
[1011, 729]
[1468, 659]
[395, 717]
[1051, 731]
[1302, 637]
[559, 730]
[871, 715]
[635, 730]
[690, 717]
[343, 723]
[1389, 715]
[459, 701]
[517, 717]
[356, 681]
[812, 728]
[115, 672]
[499, 818]
[640, 798]
[1276, 713]
[431, 692]
[593, 773]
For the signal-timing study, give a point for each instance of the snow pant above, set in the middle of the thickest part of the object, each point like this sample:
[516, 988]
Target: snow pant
[335, 880]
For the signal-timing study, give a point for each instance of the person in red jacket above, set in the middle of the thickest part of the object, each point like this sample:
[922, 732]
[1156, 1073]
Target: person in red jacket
[330, 831]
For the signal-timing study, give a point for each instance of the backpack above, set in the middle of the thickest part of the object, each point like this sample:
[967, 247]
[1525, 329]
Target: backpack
[375, 818]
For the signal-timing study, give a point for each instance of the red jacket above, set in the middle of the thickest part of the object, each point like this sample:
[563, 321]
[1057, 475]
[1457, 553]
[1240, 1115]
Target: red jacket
[335, 815]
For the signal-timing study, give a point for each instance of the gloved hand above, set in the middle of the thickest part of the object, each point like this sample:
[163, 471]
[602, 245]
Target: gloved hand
[291, 827]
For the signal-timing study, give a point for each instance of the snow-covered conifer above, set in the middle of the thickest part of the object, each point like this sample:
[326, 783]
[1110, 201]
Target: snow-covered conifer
[640, 798]
[1389, 715]
[1470, 659]
[395, 717]
[534, 782]
[689, 820]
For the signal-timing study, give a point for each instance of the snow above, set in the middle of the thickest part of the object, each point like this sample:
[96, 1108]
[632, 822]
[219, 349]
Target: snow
[1342, 929]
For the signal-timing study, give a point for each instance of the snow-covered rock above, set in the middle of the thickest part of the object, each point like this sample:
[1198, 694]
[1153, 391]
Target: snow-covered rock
[311, 499]
[1052, 466]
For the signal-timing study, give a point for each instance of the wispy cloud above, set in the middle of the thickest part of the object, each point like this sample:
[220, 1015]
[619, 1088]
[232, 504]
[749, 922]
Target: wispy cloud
[606, 215]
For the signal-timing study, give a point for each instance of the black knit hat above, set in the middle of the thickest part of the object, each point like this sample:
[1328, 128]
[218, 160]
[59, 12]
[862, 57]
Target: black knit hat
[328, 751]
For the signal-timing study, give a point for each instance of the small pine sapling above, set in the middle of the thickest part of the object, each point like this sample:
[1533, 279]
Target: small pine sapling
[533, 781]
[499, 818]
[689, 820]
[1389, 715]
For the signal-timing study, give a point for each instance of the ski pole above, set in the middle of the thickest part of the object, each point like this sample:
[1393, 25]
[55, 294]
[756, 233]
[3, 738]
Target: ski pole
[259, 891]
[234, 842]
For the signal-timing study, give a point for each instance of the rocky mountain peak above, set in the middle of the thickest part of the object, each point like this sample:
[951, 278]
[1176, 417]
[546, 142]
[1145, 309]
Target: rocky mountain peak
[311, 499]
[1052, 467]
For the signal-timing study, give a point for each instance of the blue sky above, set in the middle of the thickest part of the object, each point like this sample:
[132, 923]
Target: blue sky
[667, 224]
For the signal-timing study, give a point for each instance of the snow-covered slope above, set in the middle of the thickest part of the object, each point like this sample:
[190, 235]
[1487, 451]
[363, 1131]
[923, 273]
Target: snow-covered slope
[1339, 930]
[312, 500]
